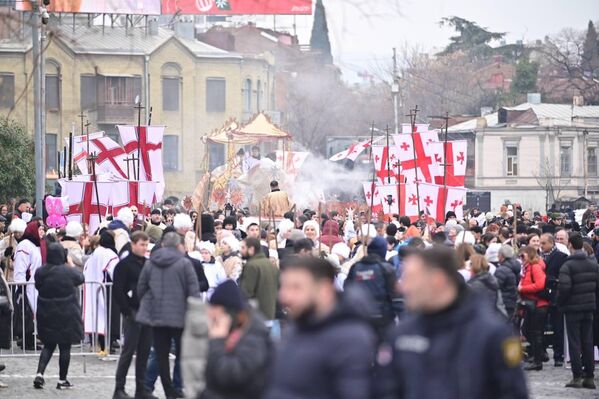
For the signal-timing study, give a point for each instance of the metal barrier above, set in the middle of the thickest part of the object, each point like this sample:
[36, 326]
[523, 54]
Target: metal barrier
[89, 344]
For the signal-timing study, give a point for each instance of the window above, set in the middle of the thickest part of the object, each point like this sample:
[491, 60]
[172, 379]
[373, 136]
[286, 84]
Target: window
[7, 90]
[216, 95]
[246, 94]
[259, 96]
[171, 152]
[216, 155]
[51, 152]
[592, 161]
[511, 152]
[89, 92]
[170, 94]
[52, 92]
[119, 90]
[565, 159]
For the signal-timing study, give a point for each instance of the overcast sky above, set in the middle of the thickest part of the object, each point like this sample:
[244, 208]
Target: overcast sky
[363, 32]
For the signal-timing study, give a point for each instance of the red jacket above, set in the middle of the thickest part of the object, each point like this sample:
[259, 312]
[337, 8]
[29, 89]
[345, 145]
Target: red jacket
[533, 282]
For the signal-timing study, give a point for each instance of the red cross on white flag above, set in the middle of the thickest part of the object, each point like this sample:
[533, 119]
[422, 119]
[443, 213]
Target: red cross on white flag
[390, 199]
[133, 193]
[83, 201]
[456, 167]
[368, 195]
[354, 150]
[110, 156]
[455, 201]
[150, 149]
[386, 169]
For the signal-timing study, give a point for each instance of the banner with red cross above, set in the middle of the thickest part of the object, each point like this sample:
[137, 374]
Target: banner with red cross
[133, 193]
[455, 167]
[371, 190]
[436, 201]
[291, 162]
[415, 152]
[83, 201]
[110, 156]
[149, 147]
[354, 150]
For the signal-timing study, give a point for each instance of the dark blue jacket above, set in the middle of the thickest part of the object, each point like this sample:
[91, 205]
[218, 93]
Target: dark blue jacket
[463, 352]
[327, 359]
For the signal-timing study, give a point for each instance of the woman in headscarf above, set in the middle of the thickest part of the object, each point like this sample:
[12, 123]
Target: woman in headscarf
[312, 232]
[29, 256]
[58, 313]
[98, 270]
[230, 258]
[330, 235]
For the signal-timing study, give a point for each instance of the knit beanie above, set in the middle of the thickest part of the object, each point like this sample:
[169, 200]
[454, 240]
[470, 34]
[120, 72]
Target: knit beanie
[228, 295]
[378, 246]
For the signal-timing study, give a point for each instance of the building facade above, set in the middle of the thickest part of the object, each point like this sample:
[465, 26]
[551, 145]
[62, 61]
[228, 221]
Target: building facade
[535, 154]
[190, 87]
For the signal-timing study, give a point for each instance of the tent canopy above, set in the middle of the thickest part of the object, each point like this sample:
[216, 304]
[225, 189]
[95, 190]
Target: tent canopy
[260, 128]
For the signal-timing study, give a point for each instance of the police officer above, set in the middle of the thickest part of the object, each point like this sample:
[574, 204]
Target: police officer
[451, 346]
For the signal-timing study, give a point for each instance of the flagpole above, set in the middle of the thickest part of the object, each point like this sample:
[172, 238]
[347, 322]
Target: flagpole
[64, 162]
[445, 164]
[89, 167]
[70, 156]
[92, 161]
[412, 116]
[138, 107]
[388, 156]
[371, 140]
[398, 187]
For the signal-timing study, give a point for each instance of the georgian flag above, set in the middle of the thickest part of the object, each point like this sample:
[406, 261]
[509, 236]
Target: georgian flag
[415, 151]
[390, 198]
[436, 201]
[83, 201]
[456, 167]
[419, 128]
[369, 193]
[409, 201]
[354, 150]
[150, 150]
[133, 193]
[386, 163]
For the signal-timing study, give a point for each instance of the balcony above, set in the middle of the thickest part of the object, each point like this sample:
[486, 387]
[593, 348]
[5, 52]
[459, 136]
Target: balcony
[117, 113]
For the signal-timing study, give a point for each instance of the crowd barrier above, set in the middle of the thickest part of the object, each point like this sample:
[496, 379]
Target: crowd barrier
[89, 345]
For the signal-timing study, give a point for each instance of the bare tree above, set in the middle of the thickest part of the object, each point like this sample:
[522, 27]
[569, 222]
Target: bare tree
[549, 182]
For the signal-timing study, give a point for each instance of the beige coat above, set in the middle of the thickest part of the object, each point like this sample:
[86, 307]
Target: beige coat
[75, 252]
[277, 203]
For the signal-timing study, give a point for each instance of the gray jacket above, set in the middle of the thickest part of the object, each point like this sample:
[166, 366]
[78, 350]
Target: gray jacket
[165, 283]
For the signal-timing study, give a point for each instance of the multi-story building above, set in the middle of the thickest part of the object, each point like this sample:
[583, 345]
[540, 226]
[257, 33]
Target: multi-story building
[191, 87]
[535, 153]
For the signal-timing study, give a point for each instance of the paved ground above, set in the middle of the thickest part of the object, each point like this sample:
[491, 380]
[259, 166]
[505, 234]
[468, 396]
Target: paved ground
[94, 378]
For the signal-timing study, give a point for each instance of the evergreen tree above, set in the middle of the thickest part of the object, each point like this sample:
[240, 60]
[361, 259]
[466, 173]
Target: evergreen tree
[525, 80]
[16, 180]
[319, 41]
[471, 38]
[590, 52]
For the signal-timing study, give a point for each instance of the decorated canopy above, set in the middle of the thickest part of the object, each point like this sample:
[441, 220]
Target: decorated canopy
[260, 128]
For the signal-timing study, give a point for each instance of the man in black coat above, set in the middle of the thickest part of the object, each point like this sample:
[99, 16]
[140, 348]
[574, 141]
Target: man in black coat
[450, 346]
[328, 350]
[554, 259]
[577, 290]
[138, 338]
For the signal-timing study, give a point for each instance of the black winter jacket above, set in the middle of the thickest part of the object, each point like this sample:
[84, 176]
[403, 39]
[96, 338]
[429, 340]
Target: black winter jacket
[239, 371]
[126, 276]
[485, 285]
[508, 286]
[58, 312]
[515, 267]
[578, 283]
[335, 358]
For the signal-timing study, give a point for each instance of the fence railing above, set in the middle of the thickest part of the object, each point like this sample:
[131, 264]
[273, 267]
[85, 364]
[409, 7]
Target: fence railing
[23, 324]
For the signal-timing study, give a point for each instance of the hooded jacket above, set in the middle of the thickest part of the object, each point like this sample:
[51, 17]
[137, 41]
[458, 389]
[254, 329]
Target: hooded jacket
[486, 286]
[508, 287]
[165, 282]
[58, 312]
[330, 235]
[335, 358]
[208, 232]
[578, 283]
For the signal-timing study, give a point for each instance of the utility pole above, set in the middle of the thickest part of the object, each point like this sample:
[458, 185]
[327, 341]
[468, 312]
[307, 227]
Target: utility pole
[395, 91]
[39, 17]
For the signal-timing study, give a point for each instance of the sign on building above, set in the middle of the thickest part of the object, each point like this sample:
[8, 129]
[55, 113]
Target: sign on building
[237, 7]
[479, 199]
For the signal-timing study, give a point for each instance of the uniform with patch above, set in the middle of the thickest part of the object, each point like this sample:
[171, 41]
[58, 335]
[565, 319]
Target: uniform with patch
[463, 352]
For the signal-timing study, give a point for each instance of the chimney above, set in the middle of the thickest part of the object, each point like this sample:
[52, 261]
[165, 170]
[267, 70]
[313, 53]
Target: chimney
[533, 98]
[184, 28]
[578, 101]
[153, 27]
[486, 111]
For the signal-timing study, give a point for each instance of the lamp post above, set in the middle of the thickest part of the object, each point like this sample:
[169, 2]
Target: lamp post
[585, 134]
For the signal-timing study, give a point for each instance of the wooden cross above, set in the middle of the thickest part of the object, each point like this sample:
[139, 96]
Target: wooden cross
[132, 159]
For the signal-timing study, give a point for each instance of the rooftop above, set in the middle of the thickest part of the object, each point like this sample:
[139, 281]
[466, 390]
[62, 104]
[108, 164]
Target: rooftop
[117, 40]
[543, 114]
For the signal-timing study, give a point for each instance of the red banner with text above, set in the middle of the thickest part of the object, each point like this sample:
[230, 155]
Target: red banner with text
[237, 7]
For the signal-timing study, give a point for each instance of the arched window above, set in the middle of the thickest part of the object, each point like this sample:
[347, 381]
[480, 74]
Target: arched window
[247, 95]
[52, 85]
[259, 96]
[171, 84]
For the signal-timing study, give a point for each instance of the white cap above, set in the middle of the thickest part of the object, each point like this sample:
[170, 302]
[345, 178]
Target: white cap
[74, 229]
[182, 221]
[126, 216]
[249, 220]
[17, 226]
[465, 237]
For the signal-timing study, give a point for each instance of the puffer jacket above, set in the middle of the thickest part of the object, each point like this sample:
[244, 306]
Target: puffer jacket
[578, 283]
[485, 285]
[166, 281]
[533, 282]
[514, 266]
[508, 287]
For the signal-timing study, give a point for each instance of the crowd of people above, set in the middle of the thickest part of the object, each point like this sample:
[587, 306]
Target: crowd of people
[313, 305]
